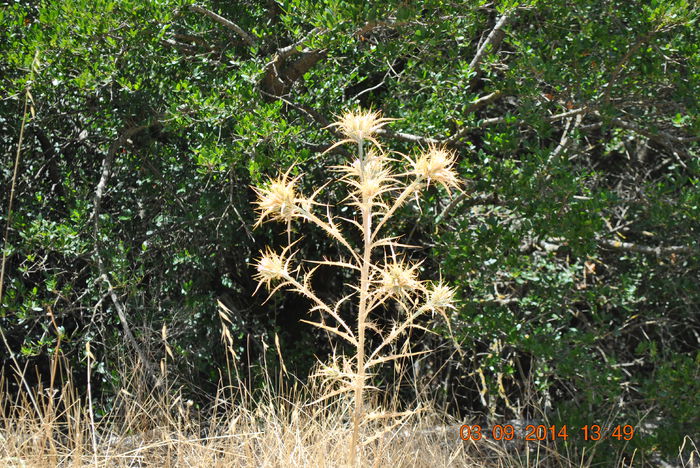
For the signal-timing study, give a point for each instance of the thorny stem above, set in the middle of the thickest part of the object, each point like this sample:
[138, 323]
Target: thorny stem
[395, 333]
[366, 210]
[303, 290]
[331, 231]
[399, 201]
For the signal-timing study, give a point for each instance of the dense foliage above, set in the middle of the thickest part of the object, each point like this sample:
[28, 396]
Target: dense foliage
[574, 247]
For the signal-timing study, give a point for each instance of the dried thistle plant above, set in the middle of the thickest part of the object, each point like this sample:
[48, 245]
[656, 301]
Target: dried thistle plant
[375, 192]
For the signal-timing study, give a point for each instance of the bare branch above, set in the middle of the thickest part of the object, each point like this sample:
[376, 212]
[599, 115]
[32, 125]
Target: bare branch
[186, 48]
[621, 64]
[295, 48]
[564, 141]
[247, 38]
[474, 106]
[279, 76]
[658, 251]
[107, 166]
[661, 137]
[490, 199]
[483, 101]
[314, 117]
[564, 115]
[102, 268]
[409, 137]
[493, 40]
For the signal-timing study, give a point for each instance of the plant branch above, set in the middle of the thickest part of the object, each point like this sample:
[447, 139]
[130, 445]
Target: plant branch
[314, 117]
[658, 251]
[473, 107]
[408, 137]
[333, 232]
[102, 268]
[621, 64]
[493, 39]
[304, 291]
[226, 23]
[280, 75]
[490, 199]
[564, 140]
[294, 48]
[393, 335]
[399, 201]
[661, 137]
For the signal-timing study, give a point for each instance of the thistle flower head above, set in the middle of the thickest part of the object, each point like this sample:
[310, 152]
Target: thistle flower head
[399, 278]
[271, 267]
[358, 126]
[338, 369]
[436, 165]
[278, 200]
[440, 297]
[369, 176]
[371, 166]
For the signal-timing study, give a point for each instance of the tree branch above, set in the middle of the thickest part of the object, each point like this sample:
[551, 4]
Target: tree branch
[409, 137]
[483, 101]
[473, 107]
[493, 39]
[50, 155]
[247, 38]
[616, 72]
[279, 76]
[186, 48]
[294, 48]
[490, 199]
[658, 251]
[97, 204]
[661, 137]
[564, 141]
[314, 117]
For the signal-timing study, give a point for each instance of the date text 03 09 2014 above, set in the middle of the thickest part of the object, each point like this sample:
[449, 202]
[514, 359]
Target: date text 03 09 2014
[592, 432]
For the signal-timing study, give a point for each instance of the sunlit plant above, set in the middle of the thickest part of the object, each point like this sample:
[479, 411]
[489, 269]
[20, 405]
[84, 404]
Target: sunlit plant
[383, 274]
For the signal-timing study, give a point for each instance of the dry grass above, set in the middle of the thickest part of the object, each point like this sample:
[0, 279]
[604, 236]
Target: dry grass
[157, 428]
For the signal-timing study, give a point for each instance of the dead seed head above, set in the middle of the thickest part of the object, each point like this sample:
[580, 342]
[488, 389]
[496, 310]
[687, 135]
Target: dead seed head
[436, 165]
[440, 298]
[339, 368]
[278, 201]
[359, 125]
[369, 177]
[372, 165]
[399, 279]
[271, 267]
[370, 188]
